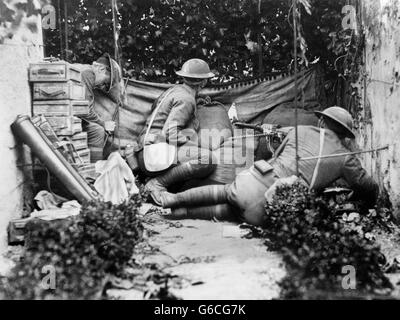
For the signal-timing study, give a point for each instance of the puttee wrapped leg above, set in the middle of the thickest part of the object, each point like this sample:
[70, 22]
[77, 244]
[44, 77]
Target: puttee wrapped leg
[201, 196]
[220, 212]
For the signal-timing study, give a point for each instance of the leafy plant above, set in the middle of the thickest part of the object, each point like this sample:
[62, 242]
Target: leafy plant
[317, 243]
[156, 36]
[82, 252]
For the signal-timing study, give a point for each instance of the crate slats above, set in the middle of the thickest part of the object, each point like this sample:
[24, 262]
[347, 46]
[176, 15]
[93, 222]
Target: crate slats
[54, 71]
[60, 108]
[58, 91]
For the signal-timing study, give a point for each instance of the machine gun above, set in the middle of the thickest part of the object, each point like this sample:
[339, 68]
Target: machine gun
[271, 132]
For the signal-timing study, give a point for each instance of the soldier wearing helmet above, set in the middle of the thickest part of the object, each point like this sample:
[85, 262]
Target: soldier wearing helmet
[103, 75]
[245, 197]
[173, 121]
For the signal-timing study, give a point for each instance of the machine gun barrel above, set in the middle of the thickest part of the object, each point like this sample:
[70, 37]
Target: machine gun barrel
[249, 126]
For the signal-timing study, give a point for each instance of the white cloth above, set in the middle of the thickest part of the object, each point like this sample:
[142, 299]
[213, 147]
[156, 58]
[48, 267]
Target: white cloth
[116, 181]
[47, 200]
[68, 209]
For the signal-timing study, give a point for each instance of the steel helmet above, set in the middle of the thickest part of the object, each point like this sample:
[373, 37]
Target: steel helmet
[341, 117]
[113, 67]
[195, 68]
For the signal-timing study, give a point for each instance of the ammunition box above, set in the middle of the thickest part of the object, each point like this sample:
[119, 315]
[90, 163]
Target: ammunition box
[58, 91]
[42, 123]
[83, 156]
[87, 171]
[79, 140]
[16, 231]
[65, 126]
[54, 71]
[60, 108]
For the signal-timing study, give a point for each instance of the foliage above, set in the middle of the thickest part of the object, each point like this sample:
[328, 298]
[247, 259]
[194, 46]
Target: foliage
[157, 36]
[317, 243]
[82, 251]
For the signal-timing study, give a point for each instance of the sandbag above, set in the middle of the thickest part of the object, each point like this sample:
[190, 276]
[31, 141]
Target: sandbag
[233, 157]
[215, 126]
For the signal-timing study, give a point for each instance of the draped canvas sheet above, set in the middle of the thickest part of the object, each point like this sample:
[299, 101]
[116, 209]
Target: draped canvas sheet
[254, 100]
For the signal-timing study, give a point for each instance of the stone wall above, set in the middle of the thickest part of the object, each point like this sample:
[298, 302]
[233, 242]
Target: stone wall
[20, 43]
[381, 93]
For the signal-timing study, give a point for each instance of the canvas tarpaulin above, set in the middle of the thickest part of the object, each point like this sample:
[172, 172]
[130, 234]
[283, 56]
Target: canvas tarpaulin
[254, 100]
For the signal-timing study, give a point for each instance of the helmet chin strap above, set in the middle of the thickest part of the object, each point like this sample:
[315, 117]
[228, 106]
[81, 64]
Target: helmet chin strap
[321, 123]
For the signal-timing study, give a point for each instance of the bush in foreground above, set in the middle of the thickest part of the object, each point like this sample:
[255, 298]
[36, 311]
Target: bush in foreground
[81, 251]
[317, 243]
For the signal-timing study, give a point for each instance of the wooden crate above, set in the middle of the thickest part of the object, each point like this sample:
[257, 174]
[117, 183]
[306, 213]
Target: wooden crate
[41, 123]
[79, 140]
[60, 108]
[58, 91]
[87, 171]
[65, 126]
[54, 71]
[16, 231]
[84, 156]
[79, 157]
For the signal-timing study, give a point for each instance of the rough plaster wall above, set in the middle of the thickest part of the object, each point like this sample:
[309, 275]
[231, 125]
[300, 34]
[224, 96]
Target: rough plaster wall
[381, 19]
[15, 55]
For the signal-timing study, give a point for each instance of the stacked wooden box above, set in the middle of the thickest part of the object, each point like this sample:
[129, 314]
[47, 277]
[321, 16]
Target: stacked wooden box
[58, 99]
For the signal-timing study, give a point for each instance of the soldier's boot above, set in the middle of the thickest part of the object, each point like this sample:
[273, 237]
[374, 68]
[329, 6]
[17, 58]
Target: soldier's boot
[222, 212]
[201, 196]
[180, 173]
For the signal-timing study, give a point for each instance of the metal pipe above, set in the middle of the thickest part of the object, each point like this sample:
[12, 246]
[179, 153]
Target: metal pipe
[52, 159]
[60, 29]
[66, 30]
[296, 117]
[344, 154]
[115, 31]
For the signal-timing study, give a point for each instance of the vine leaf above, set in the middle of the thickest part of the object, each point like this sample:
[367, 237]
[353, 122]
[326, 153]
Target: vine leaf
[307, 6]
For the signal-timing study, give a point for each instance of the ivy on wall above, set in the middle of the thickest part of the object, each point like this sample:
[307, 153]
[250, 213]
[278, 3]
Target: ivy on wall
[239, 38]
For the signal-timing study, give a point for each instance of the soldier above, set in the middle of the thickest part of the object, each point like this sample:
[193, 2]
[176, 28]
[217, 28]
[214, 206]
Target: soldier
[245, 197]
[168, 154]
[102, 75]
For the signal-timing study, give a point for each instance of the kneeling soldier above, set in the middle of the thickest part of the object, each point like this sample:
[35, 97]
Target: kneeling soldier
[168, 154]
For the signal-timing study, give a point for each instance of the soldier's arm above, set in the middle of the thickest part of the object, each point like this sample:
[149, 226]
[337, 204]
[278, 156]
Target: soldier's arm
[92, 115]
[359, 180]
[181, 114]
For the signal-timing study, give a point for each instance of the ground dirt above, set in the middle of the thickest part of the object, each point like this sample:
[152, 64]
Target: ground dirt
[208, 260]
[194, 259]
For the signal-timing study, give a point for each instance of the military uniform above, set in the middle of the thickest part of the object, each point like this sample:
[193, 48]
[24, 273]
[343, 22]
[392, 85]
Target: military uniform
[177, 113]
[246, 193]
[92, 123]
